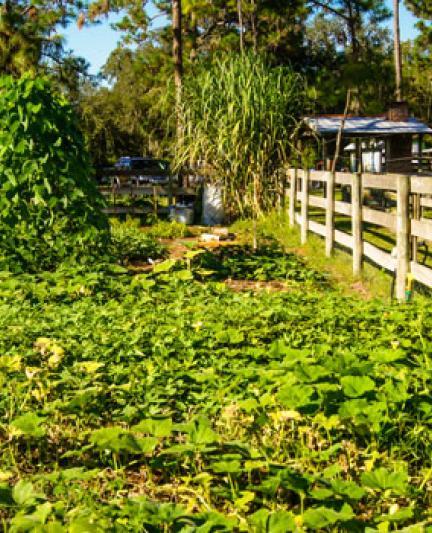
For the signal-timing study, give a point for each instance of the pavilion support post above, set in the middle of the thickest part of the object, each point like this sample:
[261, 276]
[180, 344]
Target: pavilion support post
[324, 153]
[356, 221]
[420, 152]
[170, 192]
[402, 235]
[155, 202]
[292, 197]
[304, 206]
[358, 155]
[329, 239]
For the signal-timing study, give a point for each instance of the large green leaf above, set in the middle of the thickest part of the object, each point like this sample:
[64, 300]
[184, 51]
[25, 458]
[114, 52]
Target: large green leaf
[29, 425]
[116, 439]
[382, 479]
[355, 386]
[322, 517]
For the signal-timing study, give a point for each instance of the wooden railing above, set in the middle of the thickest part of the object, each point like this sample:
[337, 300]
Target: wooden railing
[411, 195]
[153, 192]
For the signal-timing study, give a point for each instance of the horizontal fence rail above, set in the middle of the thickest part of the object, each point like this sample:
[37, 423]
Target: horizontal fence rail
[397, 204]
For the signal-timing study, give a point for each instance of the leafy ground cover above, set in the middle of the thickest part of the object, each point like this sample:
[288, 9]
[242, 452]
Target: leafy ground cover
[166, 402]
[129, 243]
[165, 229]
[267, 262]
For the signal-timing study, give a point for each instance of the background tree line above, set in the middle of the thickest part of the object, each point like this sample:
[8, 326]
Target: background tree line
[334, 45]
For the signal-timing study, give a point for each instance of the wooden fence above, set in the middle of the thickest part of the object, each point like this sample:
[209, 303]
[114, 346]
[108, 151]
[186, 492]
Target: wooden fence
[411, 194]
[152, 192]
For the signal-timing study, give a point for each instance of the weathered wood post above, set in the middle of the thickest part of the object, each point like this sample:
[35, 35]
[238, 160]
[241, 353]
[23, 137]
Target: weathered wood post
[416, 208]
[170, 192]
[304, 206]
[356, 222]
[292, 196]
[155, 202]
[329, 239]
[402, 235]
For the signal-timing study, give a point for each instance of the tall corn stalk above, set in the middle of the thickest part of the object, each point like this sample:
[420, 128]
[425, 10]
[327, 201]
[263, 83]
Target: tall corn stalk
[238, 114]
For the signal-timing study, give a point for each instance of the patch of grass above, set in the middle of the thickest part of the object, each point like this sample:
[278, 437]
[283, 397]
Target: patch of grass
[373, 282]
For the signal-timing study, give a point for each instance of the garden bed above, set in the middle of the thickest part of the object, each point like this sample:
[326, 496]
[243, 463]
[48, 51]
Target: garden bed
[165, 401]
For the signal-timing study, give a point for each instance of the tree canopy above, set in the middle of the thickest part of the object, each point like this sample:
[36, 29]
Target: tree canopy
[334, 45]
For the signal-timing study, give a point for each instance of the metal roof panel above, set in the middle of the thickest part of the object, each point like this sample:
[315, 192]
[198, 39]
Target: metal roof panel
[366, 125]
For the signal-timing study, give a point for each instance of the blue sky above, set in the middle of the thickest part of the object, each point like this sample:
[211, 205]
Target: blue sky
[96, 42]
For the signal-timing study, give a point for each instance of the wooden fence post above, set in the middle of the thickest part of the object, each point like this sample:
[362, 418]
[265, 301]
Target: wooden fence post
[402, 235]
[356, 223]
[155, 202]
[292, 197]
[304, 206]
[330, 214]
[416, 209]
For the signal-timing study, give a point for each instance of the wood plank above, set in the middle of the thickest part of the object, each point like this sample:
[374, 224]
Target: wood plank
[131, 191]
[298, 218]
[378, 256]
[329, 220]
[422, 228]
[380, 218]
[292, 197]
[386, 182]
[421, 273]
[343, 178]
[147, 191]
[317, 201]
[343, 238]
[317, 228]
[304, 206]
[319, 175]
[415, 215]
[356, 224]
[426, 202]
[343, 208]
[421, 185]
[130, 210]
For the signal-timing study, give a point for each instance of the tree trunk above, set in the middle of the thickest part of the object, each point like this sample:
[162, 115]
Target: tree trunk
[254, 26]
[177, 46]
[240, 21]
[397, 50]
[353, 22]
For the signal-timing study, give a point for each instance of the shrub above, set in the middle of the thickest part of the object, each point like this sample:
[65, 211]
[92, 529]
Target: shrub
[164, 229]
[129, 243]
[50, 209]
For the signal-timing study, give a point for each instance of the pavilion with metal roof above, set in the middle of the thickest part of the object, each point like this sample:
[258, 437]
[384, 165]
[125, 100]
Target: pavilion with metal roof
[366, 126]
[384, 143]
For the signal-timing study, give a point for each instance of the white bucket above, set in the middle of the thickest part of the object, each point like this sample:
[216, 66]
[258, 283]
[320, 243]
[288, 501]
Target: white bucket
[182, 213]
[212, 205]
